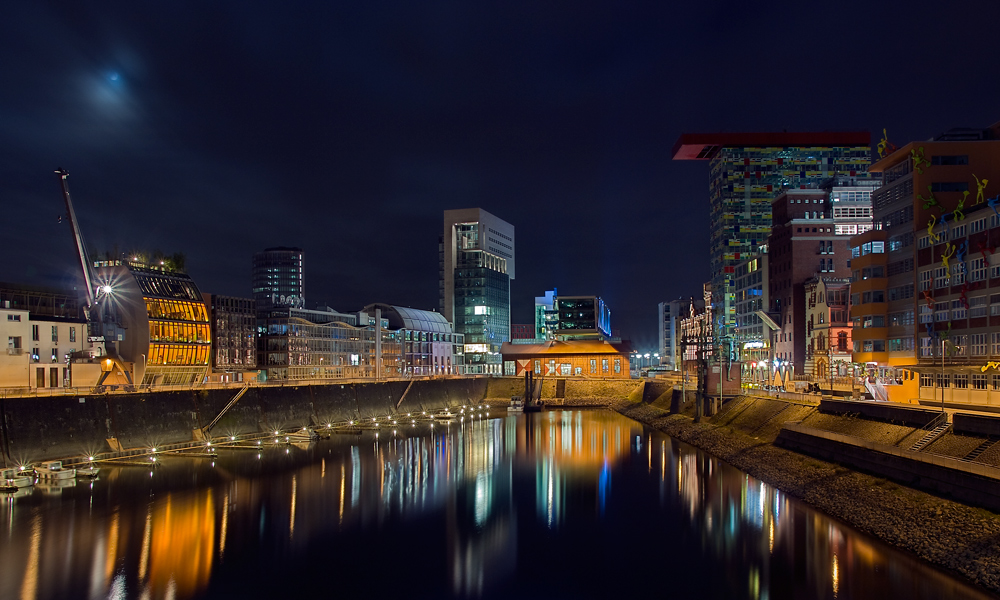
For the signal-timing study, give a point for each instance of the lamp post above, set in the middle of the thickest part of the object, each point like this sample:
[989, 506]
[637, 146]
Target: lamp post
[943, 342]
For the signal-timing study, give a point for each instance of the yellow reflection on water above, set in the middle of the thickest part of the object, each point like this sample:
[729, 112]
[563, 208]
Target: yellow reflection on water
[29, 587]
[182, 547]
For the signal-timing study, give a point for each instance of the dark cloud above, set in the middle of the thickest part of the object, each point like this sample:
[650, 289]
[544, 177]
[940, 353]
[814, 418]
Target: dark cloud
[218, 129]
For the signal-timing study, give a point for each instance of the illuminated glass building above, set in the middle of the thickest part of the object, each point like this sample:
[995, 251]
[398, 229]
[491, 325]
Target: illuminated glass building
[476, 266]
[747, 170]
[582, 317]
[157, 319]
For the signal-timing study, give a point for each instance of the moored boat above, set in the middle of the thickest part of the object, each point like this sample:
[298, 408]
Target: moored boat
[52, 470]
[14, 479]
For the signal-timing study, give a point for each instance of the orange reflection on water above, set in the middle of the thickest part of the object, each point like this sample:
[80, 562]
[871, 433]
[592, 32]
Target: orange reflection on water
[572, 442]
[183, 540]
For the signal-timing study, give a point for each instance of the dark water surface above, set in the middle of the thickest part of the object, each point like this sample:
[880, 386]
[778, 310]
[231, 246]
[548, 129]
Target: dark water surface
[561, 504]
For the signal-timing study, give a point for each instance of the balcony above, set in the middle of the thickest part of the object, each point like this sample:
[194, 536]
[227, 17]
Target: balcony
[15, 351]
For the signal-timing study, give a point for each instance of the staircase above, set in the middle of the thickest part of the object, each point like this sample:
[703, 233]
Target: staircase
[986, 445]
[932, 435]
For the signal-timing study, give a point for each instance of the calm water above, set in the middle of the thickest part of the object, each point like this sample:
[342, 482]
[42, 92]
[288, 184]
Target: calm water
[562, 504]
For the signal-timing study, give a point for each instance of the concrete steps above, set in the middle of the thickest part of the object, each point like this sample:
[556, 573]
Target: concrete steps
[930, 437]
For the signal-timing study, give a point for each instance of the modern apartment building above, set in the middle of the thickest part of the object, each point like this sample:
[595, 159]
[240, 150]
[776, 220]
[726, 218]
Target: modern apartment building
[747, 170]
[669, 315]
[476, 266]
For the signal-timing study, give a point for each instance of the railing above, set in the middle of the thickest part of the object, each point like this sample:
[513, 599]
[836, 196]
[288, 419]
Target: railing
[15, 351]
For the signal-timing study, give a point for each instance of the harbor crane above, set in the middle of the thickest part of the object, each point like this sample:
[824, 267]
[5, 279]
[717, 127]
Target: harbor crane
[95, 323]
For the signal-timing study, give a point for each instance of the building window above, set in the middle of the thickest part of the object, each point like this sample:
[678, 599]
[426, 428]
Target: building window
[957, 159]
[538, 367]
[34, 333]
[961, 381]
[72, 334]
[926, 315]
[565, 369]
[926, 277]
[949, 186]
[604, 365]
[977, 271]
[978, 381]
[995, 344]
[926, 348]
[943, 380]
[940, 277]
[593, 365]
[55, 333]
[618, 365]
[958, 309]
[995, 380]
[979, 344]
[941, 311]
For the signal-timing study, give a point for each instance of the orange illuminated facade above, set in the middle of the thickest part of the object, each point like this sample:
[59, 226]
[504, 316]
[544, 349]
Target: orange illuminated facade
[157, 319]
[571, 358]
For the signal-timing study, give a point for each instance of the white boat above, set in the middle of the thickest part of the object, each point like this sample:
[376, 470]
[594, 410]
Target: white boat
[53, 470]
[15, 479]
[90, 471]
[516, 404]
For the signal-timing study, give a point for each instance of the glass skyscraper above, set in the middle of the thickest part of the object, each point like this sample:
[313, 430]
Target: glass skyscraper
[476, 266]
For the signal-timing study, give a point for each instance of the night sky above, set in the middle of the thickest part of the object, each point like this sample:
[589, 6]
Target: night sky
[218, 129]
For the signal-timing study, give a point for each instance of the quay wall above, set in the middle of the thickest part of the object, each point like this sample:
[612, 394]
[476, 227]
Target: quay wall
[38, 428]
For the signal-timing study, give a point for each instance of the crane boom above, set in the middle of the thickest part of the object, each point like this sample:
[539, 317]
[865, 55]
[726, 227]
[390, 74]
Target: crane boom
[81, 250]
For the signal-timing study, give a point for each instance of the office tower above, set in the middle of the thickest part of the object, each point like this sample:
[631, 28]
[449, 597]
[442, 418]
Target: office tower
[476, 266]
[747, 170]
[277, 279]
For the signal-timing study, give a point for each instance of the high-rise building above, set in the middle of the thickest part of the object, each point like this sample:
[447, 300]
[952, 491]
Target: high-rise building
[747, 170]
[546, 317]
[277, 279]
[476, 266]
[669, 320]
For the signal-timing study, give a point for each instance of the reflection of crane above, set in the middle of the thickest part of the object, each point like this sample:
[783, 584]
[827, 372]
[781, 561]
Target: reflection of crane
[93, 310]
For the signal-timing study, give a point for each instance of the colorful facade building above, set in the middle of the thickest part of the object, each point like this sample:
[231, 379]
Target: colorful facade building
[747, 170]
[870, 318]
[941, 227]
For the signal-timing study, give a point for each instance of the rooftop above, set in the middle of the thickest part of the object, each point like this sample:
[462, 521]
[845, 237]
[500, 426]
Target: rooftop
[704, 146]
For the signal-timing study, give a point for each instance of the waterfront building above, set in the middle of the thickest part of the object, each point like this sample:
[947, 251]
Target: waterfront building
[476, 266]
[546, 317]
[429, 344]
[937, 213]
[278, 278]
[828, 330]
[234, 337]
[39, 347]
[582, 317]
[804, 244]
[569, 358]
[156, 318]
[747, 170]
[299, 344]
[869, 308]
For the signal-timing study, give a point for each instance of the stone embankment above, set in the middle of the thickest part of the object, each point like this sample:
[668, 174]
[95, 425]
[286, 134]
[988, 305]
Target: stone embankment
[951, 535]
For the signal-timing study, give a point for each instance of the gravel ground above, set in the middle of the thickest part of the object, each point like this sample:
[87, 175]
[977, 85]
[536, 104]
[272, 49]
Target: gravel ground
[954, 536]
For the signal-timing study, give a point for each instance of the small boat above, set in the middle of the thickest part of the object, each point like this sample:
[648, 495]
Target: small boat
[516, 404]
[53, 470]
[87, 472]
[13, 479]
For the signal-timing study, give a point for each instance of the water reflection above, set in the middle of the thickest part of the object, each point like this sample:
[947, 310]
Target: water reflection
[434, 512]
